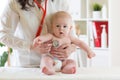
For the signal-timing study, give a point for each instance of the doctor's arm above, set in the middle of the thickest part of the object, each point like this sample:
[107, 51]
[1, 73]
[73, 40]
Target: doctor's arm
[8, 24]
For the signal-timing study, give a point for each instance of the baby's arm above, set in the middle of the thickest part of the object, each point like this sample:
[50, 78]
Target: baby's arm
[41, 39]
[83, 45]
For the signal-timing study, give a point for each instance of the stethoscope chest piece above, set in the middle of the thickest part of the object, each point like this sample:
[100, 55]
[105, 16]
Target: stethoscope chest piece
[55, 43]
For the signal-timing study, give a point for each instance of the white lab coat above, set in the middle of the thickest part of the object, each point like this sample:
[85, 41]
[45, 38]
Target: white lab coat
[18, 28]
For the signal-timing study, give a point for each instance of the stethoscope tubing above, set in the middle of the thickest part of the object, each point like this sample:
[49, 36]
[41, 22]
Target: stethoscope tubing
[43, 17]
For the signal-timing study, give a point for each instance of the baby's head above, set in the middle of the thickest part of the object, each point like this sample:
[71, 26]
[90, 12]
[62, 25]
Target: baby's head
[61, 24]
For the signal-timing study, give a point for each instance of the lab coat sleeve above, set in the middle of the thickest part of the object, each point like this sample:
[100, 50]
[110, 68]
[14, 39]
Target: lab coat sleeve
[8, 24]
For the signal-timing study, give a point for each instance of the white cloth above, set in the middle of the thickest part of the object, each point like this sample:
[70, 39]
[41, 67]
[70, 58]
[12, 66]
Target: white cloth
[18, 28]
[81, 74]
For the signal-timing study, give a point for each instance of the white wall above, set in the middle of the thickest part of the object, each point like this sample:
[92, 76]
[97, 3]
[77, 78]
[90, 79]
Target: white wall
[115, 32]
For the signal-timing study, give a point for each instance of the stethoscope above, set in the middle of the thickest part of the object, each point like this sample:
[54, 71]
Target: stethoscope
[55, 42]
[43, 17]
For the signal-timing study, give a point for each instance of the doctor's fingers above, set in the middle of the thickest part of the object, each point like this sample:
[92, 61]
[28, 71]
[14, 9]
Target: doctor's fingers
[45, 49]
[59, 54]
[60, 57]
[48, 42]
[45, 45]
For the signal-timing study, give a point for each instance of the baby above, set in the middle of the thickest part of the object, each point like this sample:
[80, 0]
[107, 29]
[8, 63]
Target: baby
[61, 27]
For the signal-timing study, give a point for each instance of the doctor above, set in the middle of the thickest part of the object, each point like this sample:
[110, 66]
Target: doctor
[19, 24]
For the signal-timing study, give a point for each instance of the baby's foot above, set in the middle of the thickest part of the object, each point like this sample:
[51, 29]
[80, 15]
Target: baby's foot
[48, 71]
[73, 70]
[70, 71]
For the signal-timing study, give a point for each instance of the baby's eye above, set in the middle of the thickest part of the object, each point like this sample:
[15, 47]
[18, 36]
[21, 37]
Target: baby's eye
[64, 26]
[57, 25]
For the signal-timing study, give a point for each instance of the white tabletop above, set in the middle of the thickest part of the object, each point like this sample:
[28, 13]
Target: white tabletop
[9, 73]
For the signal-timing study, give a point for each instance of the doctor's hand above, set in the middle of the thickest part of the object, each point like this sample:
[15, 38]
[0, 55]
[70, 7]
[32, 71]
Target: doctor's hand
[63, 51]
[41, 48]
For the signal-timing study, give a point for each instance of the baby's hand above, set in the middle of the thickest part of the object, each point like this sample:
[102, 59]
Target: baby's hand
[36, 41]
[91, 54]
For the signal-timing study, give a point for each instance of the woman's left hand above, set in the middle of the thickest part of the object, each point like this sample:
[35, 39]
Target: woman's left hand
[63, 51]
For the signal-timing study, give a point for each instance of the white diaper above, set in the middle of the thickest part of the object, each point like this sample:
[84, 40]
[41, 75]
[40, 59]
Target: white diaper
[58, 65]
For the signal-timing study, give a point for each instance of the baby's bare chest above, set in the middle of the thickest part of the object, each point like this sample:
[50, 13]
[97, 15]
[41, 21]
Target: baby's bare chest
[56, 42]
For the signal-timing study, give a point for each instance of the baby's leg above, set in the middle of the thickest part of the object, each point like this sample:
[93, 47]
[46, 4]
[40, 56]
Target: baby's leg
[47, 65]
[69, 66]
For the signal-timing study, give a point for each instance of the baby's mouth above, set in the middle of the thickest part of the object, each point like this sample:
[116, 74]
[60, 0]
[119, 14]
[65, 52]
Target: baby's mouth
[61, 32]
